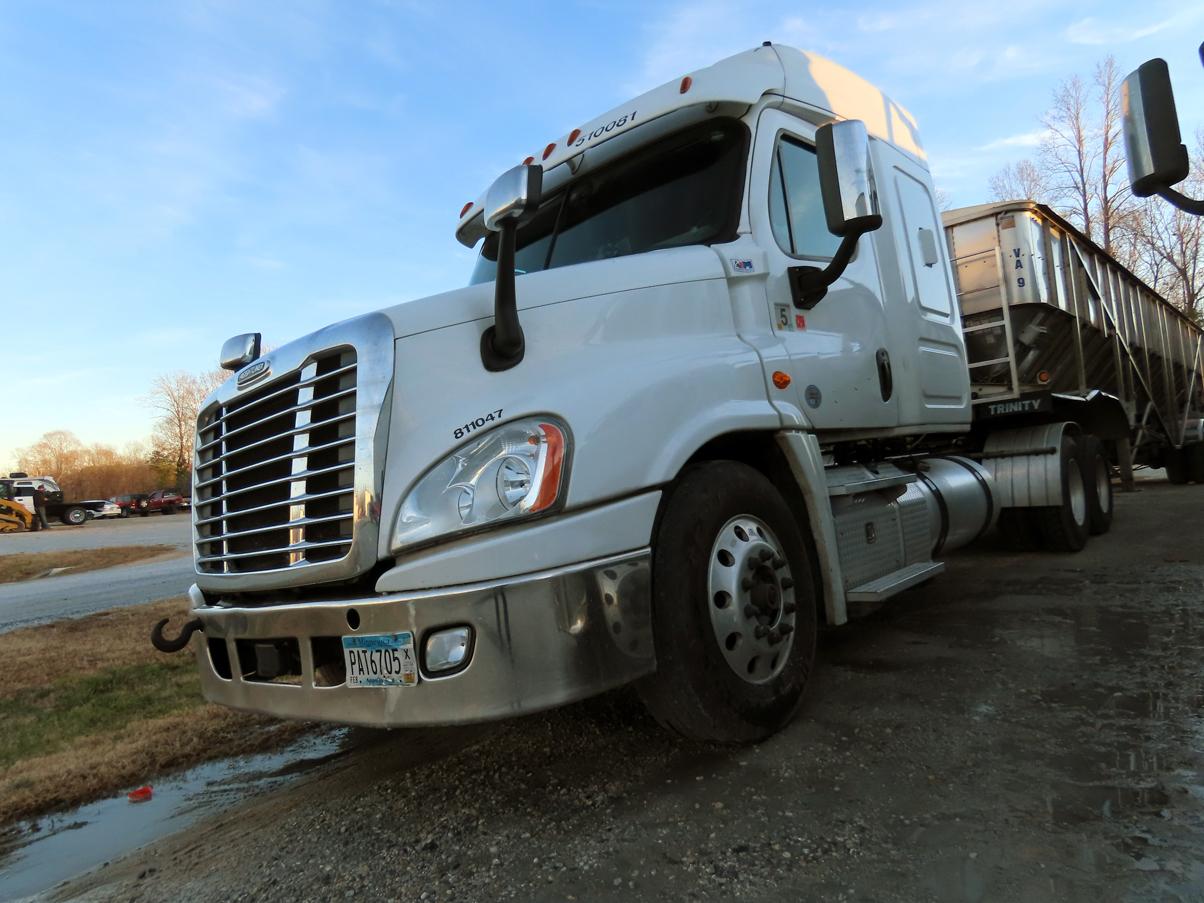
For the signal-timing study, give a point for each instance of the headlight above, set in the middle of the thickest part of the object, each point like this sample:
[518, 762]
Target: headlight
[513, 471]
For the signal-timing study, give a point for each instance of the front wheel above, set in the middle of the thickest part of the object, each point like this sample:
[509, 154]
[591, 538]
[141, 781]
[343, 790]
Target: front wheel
[733, 608]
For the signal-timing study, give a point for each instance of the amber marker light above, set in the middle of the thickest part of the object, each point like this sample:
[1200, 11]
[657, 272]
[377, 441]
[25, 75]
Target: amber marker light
[553, 464]
[1043, 377]
[574, 135]
[547, 151]
[465, 208]
[528, 161]
[780, 379]
[685, 85]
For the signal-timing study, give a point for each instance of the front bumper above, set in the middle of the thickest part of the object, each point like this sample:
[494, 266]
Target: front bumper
[540, 640]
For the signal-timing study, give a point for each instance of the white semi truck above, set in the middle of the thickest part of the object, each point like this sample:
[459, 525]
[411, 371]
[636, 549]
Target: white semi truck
[708, 387]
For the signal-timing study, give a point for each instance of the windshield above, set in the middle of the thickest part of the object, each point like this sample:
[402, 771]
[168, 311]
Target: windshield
[684, 190]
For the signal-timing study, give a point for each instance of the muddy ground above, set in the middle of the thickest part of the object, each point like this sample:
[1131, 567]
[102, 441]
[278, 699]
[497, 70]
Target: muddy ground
[1029, 727]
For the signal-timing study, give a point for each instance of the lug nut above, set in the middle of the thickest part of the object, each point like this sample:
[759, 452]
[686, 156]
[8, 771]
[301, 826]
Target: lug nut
[779, 563]
[789, 608]
[750, 611]
[785, 629]
[787, 582]
[760, 630]
[747, 583]
[766, 554]
[774, 637]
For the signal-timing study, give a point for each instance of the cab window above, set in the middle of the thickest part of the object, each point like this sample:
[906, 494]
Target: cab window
[796, 208]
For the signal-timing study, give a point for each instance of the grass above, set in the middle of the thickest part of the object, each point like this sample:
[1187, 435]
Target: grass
[116, 717]
[26, 565]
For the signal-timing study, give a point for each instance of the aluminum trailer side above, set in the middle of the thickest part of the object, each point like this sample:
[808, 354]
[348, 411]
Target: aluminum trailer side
[1048, 316]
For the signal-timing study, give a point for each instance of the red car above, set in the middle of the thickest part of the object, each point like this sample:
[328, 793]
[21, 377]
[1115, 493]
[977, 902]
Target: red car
[165, 501]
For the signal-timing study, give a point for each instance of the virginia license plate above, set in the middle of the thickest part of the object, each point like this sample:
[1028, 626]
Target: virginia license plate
[381, 660]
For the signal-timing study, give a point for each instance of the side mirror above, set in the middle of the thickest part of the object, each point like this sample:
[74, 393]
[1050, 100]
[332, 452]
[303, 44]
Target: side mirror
[240, 350]
[513, 195]
[846, 178]
[509, 199]
[1157, 157]
[846, 183]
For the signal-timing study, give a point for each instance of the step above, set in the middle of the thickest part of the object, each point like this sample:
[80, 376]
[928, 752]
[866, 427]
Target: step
[854, 479]
[895, 582]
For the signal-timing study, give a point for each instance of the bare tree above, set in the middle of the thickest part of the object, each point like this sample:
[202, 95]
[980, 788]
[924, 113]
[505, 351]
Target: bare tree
[1019, 181]
[55, 455]
[1111, 186]
[177, 398]
[1068, 154]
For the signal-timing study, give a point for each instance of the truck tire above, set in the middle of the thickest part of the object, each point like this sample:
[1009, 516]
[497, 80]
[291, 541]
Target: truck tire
[1064, 527]
[734, 608]
[1175, 460]
[125, 512]
[74, 515]
[1018, 529]
[1195, 461]
[1098, 475]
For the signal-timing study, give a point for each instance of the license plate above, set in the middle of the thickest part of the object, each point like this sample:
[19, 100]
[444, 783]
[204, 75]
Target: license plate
[381, 660]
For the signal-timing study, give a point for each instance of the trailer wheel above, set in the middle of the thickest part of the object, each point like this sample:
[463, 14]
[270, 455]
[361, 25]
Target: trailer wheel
[1176, 462]
[1064, 527]
[1098, 473]
[75, 515]
[733, 608]
[1195, 461]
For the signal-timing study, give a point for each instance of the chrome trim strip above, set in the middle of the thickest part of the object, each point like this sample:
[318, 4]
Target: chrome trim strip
[284, 435]
[259, 553]
[297, 500]
[309, 450]
[540, 640]
[303, 522]
[291, 387]
[306, 405]
[291, 478]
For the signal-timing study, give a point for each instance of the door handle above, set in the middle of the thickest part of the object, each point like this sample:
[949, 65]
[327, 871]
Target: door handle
[886, 379]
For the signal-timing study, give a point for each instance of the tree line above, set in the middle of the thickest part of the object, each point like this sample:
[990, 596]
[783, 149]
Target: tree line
[102, 471]
[1079, 169]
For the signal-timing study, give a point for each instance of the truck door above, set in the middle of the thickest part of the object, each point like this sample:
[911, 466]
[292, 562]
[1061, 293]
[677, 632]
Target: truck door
[839, 350]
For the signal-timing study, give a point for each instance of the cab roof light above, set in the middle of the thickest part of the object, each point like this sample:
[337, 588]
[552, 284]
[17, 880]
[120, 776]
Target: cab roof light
[547, 151]
[574, 135]
[465, 209]
[685, 85]
[529, 161]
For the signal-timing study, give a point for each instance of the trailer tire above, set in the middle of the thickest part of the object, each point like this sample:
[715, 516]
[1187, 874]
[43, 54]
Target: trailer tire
[1064, 527]
[74, 516]
[1176, 462]
[1098, 477]
[738, 689]
[1195, 461]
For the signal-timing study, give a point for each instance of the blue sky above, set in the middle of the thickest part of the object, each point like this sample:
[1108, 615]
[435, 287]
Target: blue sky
[174, 173]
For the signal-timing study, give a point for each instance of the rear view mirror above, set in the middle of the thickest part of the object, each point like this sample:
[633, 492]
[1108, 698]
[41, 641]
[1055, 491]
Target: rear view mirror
[846, 178]
[1157, 157]
[514, 194]
[240, 350]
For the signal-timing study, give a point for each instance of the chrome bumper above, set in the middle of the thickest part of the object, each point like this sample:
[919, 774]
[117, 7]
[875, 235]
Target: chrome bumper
[540, 640]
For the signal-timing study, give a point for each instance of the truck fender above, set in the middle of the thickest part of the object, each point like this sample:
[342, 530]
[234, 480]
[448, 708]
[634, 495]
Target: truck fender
[807, 467]
[1025, 464]
[1099, 413]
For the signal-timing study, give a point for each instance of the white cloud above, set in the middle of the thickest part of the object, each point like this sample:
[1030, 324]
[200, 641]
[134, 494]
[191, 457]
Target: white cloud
[1092, 31]
[1022, 139]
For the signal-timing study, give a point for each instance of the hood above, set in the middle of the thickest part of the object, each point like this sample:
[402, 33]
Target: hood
[570, 283]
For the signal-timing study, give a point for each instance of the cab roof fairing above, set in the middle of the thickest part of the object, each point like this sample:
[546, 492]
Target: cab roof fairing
[741, 79]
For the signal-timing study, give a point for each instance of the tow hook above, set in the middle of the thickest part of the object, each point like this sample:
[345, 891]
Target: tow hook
[163, 644]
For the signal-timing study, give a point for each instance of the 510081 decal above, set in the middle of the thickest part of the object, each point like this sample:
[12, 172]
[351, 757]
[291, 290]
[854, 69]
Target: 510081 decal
[467, 429]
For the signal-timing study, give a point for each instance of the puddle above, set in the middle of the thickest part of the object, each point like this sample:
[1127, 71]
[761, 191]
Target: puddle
[43, 852]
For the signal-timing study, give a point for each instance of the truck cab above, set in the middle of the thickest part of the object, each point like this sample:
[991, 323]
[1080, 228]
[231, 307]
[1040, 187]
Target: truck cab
[706, 388]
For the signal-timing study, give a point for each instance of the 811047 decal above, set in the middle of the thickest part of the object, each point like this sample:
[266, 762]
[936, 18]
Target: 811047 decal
[473, 425]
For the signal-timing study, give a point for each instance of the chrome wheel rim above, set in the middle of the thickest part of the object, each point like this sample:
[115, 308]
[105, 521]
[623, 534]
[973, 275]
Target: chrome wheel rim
[751, 599]
[1078, 493]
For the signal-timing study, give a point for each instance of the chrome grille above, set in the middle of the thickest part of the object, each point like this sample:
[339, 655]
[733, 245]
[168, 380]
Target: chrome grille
[273, 484]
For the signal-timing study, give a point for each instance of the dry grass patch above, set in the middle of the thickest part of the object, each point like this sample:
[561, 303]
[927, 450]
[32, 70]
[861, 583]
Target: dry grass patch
[26, 565]
[122, 715]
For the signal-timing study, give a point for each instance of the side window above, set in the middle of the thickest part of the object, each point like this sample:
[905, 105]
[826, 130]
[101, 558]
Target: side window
[796, 208]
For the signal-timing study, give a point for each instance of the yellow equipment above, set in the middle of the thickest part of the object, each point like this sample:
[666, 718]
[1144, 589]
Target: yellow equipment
[14, 517]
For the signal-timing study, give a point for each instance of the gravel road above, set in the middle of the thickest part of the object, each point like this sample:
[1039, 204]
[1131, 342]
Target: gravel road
[1024, 728]
[72, 595]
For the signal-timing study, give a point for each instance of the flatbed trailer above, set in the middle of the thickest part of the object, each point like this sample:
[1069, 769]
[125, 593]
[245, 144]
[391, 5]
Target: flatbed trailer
[1050, 320]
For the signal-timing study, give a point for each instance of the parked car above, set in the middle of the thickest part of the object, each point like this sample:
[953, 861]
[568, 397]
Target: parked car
[101, 508]
[130, 503]
[165, 501]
